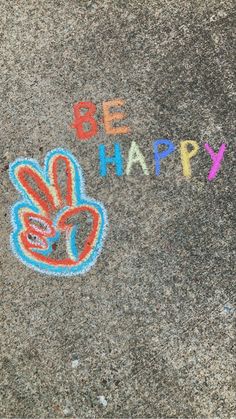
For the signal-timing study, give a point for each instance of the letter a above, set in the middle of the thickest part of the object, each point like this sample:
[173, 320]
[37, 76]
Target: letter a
[135, 156]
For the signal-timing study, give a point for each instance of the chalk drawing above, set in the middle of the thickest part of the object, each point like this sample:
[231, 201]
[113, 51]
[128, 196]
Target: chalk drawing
[110, 116]
[186, 155]
[117, 160]
[136, 156]
[161, 155]
[44, 214]
[87, 126]
[81, 119]
[216, 158]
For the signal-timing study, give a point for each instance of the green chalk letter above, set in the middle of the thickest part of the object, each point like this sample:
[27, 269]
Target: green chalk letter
[135, 156]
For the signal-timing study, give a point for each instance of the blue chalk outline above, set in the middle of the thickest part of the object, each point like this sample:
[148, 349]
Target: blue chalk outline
[26, 202]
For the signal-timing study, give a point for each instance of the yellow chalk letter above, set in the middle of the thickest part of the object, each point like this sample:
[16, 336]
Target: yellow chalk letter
[186, 155]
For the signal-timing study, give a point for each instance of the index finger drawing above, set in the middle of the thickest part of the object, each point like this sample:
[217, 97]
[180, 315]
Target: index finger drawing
[74, 179]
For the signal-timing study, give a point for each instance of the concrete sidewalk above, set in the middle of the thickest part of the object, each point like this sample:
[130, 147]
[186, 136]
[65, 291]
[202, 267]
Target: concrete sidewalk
[148, 331]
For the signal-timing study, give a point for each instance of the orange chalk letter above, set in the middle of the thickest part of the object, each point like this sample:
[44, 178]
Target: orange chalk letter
[109, 117]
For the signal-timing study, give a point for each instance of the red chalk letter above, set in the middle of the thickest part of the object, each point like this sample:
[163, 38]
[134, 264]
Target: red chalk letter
[86, 118]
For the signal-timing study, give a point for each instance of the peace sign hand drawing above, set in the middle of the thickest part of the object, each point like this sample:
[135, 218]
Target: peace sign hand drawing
[50, 213]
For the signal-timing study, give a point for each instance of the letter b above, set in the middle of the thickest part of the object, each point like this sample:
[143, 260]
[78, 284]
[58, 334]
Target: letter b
[86, 118]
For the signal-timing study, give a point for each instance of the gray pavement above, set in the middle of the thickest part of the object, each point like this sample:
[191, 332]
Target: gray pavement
[148, 331]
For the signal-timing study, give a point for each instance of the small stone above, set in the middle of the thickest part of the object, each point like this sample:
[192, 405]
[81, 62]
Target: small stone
[102, 401]
[75, 363]
[66, 411]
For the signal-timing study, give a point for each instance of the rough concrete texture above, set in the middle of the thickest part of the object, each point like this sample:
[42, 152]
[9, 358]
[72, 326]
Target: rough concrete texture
[148, 331]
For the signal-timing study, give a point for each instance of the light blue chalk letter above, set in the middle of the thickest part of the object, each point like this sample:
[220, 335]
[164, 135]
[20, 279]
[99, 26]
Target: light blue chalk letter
[117, 160]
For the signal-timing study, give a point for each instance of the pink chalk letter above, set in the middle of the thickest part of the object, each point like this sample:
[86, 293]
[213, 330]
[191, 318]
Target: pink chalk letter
[216, 158]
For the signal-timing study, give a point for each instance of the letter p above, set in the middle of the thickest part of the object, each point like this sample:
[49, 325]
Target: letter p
[158, 155]
[186, 155]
